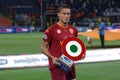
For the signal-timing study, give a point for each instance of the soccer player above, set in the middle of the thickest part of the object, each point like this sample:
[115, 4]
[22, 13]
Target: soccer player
[52, 41]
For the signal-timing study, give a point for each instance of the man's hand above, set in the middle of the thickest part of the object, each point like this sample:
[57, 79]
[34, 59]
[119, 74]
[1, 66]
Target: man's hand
[98, 28]
[54, 60]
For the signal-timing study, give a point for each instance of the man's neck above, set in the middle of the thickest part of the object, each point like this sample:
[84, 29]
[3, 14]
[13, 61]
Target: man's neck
[63, 24]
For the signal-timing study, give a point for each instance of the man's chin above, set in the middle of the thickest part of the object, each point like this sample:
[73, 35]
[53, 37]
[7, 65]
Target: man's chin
[66, 22]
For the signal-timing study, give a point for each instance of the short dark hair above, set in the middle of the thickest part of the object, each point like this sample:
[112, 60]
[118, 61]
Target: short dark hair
[60, 7]
[100, 18]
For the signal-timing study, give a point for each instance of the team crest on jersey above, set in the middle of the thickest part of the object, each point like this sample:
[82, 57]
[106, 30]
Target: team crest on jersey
[71, 31]
[45, 36]
[58, 31]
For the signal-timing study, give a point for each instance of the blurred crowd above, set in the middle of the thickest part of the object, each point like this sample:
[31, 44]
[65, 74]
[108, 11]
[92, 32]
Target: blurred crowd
[83, 11]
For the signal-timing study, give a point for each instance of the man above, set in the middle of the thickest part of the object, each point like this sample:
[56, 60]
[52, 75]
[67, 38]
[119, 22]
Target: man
[52, 41]
[101, 31]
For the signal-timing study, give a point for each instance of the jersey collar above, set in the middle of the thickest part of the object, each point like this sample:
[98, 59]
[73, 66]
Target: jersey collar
[60, 25]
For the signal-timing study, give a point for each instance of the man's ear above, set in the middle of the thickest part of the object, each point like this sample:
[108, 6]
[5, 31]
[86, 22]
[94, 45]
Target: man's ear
[58, 14]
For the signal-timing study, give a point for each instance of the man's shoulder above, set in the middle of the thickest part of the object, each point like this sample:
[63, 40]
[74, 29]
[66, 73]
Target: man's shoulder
[51, 28]
[103, 23]
[71, 26]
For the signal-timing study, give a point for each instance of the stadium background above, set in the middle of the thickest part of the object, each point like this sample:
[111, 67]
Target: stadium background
[37, 15]
[42, 13]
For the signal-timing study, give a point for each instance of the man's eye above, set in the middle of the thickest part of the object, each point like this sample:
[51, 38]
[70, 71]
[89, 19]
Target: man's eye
[66, 13]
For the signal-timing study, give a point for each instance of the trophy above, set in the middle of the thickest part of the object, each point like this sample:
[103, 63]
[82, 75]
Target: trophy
[73, 49]
[64, 63]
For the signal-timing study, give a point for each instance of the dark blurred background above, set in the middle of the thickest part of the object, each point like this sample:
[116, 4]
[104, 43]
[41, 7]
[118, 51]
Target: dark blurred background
[40, 14]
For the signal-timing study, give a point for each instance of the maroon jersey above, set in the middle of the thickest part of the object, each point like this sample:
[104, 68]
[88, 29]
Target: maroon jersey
[55, 35]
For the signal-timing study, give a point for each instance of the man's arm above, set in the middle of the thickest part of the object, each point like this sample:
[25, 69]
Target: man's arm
[44, 48]
[99, 28]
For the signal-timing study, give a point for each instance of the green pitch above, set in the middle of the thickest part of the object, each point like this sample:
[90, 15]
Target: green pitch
[89, 71]
[28, 43]
[24, 43]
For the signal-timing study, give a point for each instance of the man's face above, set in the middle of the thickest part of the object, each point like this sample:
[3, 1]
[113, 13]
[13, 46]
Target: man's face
[99, 19]
[64, 15]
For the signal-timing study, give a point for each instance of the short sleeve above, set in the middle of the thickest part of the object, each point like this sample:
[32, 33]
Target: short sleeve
[47, 35]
